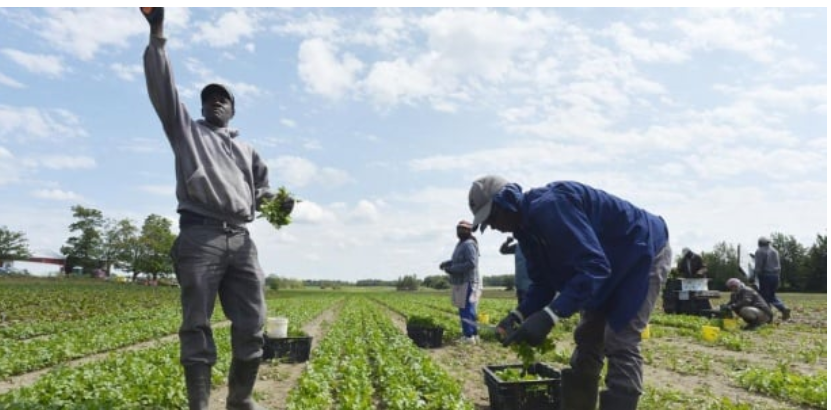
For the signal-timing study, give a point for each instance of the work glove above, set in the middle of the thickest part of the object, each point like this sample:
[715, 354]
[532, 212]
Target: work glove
[287, 206]
[154, 15]
[444, 265]
[534, 329]
[510, 323]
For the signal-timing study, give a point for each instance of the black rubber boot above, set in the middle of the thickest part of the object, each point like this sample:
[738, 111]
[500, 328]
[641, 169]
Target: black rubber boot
[578, 391]
[198, 383]
[618, 401]
[786, 314]
[241, 380]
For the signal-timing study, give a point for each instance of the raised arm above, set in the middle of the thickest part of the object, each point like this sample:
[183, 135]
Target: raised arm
[160, 84]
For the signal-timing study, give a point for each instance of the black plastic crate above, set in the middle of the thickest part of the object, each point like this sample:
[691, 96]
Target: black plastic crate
[287, 349]
[523, 395]
[426, 336]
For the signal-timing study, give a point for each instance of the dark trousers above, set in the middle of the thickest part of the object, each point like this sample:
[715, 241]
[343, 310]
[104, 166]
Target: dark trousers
[768, 284]
[595, 340]
[468, 312]
[211, 261]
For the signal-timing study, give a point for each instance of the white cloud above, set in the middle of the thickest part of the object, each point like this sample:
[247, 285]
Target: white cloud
[83, 32]
[365, 211]
[10, 82]
[324, 72]
[483, 42]
[288, 122]
[644, 49]
[127, 72]
[385, 29]
[307, 212]
[744, 30]
[67, 162]
[49, 65]
[312, 145]
[31, 123]
[145, 145]
[161, 190]
[299, 172]
[391, 81]
[8, 168]
[310, 25]
[229, 29]
[56, 195]
[244, 92]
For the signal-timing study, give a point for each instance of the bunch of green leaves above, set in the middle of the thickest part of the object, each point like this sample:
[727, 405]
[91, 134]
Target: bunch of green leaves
[512, 374]
[421, 321]
[272, 209]
[528, 354]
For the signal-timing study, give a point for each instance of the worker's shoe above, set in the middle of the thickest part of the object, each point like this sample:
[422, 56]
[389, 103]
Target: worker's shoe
[618, 401]
[241, 380]
[578, 391]
[752, 326]
[786, 314]
[198, 383]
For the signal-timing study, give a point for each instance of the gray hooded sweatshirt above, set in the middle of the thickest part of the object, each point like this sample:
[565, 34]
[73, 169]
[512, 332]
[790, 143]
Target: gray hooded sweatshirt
[217, 175]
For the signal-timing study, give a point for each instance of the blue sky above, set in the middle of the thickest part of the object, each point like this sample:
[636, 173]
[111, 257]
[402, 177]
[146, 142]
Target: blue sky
[379, 119]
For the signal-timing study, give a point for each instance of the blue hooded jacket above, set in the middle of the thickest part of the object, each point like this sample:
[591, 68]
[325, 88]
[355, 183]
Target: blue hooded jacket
[592, 247]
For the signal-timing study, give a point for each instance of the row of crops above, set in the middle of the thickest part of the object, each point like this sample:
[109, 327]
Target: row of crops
[126, 339]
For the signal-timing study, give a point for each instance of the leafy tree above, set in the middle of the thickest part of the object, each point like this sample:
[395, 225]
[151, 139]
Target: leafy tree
[792, 260]
[85, 249]
[407, 283]
[436, 282]
[506, 281]
[118, 242]
[275, 282]
[155, 243]
[13, 245]
[722, 264]
[816, 266]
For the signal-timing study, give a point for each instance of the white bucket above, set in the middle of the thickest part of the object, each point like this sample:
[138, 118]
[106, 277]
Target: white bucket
[277, 327]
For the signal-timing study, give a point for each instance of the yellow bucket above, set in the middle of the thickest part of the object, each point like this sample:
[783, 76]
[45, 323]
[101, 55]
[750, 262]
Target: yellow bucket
[709, 333]
[484, 318]
[729, 324]
[645, 334]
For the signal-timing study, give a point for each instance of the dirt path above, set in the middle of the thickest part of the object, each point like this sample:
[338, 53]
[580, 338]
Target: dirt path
[276, 379]
[464, 362]
[27, 379]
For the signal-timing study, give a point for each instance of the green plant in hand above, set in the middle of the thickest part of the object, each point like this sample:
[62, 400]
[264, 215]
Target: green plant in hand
[276, 211]
[528, 354]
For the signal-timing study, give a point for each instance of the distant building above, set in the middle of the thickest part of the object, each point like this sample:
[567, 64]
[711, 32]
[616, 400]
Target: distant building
[42, 262]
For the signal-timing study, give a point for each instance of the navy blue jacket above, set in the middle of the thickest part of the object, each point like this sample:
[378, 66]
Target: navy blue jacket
[592, 247]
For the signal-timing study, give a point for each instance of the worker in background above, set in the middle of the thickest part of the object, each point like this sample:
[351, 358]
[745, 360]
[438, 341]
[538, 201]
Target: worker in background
[691, 265]
[747, 304]
[767, 270]
[521, 279]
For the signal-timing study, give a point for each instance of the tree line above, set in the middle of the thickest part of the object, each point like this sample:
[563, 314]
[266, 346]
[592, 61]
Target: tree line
[96, 242]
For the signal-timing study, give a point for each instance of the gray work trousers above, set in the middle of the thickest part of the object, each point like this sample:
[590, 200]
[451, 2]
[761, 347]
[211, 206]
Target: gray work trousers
[596, 340]
[211, 260]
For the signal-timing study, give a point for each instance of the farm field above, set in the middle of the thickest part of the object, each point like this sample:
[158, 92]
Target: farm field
[83, 344]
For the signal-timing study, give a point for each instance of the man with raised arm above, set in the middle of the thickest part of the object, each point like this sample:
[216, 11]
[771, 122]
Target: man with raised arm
[220, 183]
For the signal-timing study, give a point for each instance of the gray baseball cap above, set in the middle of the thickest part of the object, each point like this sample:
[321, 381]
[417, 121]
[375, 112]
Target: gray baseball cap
[480, 198]
[213, 88]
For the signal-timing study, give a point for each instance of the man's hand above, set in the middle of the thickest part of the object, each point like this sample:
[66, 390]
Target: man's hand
[509, 324]
[154, 15]
[287, 205]
[444, 265]
[534, 329]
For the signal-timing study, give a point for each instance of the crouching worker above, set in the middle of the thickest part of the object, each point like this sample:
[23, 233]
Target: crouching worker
[748, 304]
